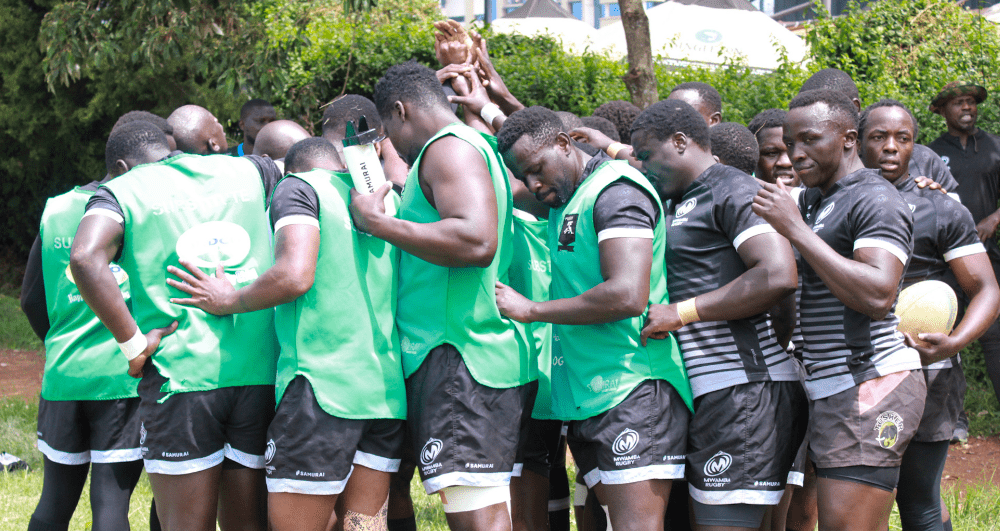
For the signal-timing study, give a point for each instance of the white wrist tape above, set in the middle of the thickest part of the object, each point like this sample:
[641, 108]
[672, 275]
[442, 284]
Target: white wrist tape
[490, 112]
[461, 499]
[133, 347]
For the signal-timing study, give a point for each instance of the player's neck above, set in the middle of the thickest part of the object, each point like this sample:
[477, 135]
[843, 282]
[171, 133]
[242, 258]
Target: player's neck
[850, 164]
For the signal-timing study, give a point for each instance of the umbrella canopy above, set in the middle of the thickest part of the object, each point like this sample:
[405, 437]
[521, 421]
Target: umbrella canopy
[539, 8]
[696, 34]
[574, 34]
[720, 4]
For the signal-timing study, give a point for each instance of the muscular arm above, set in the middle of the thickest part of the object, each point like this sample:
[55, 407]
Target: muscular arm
[975, 276]
[33, 292]
[625, 267]
[783, 320]
[770, 277]
[98, 240]
[456, 181]
[866, 283]
[296, 252]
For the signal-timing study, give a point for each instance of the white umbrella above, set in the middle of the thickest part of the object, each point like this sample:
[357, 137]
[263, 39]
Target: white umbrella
[690, 33]
[574, 34]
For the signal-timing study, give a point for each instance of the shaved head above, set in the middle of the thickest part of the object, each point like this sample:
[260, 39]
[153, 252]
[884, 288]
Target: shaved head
[277, 137]
[196, 130]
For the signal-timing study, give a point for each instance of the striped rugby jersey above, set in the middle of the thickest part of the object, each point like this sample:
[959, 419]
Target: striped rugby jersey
[943, 230]
[843, 347]
[704, 230]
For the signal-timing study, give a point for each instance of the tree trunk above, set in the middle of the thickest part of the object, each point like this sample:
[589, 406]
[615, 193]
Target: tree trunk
[640, 79]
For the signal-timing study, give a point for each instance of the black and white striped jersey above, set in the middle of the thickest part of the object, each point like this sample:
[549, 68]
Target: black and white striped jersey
[843, 347]
[705, 229]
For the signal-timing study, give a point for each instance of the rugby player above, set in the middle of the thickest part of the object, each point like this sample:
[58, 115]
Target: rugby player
[854, 233]
[944, 241]
[467, 368]
[703, 97]
[254, 115]
[726, 268]
[88, 410]
[207, 396]
[338, 429]
[626, 403]
[197, 131]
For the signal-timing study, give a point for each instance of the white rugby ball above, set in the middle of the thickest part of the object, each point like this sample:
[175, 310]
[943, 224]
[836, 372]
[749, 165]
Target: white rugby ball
[929, 306]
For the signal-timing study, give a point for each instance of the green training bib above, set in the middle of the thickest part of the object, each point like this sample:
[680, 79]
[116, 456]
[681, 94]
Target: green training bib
[208, 209]
[595, 367]
[457, 305]
[82, 359]
[341, 334]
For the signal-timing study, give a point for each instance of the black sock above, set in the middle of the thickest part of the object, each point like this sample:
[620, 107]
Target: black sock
[407, 523]
[154, 521]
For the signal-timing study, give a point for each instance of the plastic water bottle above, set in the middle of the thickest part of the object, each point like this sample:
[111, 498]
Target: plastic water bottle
[363, 162]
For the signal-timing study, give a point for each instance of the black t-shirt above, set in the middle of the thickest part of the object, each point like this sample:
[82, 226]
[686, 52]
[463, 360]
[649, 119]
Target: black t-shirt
[704, 230]
[293, 197]
[622, 204]
[925, 163]
[976, 167]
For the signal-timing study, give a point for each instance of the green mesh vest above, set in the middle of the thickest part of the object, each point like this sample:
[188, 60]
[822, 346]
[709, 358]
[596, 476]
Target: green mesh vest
[82, 359]
[596, 366]
[210, 210]
[457, 305]
[530, 275]
[341, 334]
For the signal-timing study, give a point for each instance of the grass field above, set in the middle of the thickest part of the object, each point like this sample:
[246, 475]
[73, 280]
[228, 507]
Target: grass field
[15, 332]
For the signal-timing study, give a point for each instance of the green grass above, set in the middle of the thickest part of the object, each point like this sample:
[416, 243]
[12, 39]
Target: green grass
[980, 401]
[15, 332]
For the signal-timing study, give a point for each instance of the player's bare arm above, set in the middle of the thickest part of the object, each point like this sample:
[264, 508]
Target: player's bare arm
[456, 182]
[97, 242]
[975, 275]
[296, 251]
[866, 284]
[770, 277]
[625, 266]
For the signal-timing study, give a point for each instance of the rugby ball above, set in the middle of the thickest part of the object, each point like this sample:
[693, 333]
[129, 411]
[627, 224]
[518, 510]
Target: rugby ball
[927, 307]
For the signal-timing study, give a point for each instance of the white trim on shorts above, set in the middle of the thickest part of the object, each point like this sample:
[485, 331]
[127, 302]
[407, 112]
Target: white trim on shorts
[796, 478]
[63, 458]
[467, 479]
[376, 462]
[633, 475]
[517, 470]
[737, 496]
[248, 460]
[298, 486]
[121, 455]
[179, 468]
[561, 504]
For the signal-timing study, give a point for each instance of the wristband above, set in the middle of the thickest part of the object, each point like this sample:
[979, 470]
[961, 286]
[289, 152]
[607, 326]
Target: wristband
[613, 149]
[133, 347]
[687, 311]
[490, 112]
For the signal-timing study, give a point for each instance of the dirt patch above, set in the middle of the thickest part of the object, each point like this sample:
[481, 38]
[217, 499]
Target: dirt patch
[21, 373]
[975, 463]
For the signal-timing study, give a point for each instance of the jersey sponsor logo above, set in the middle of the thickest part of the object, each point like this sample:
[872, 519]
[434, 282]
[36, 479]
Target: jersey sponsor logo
[718, 464]
[142, 433]
[175, 454]
[913, 208]
[599, 384]
[946, 160]
[214, 243]
[121, 277]
[269, 452]
[430, 451]
[538, 266]
[817, 225]
[567, 236]
[888, 426]
[558, 361]
[626, 441]
[62, 242]
[686, 207]
[310, 474]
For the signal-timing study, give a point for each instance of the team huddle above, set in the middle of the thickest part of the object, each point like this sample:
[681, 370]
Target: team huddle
[702, 312]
